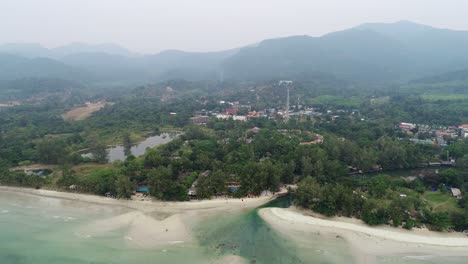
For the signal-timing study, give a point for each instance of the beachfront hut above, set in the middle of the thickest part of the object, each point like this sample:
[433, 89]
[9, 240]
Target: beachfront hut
[233, 186]
[142, 189]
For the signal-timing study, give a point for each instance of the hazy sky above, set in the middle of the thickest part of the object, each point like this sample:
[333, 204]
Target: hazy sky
[149, 26]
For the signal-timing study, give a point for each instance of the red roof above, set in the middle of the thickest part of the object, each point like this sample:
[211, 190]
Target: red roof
[443, 133]
[231, 111]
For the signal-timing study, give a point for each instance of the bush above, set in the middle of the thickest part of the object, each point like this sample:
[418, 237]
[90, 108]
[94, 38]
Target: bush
[409, 224]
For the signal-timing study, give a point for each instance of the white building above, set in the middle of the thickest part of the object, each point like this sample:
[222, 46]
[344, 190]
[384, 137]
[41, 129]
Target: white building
[234, 117]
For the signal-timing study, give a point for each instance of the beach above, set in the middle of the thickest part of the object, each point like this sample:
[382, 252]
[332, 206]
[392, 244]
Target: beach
[365, 242]
[149, 205]
[149, 223]
[218, 231]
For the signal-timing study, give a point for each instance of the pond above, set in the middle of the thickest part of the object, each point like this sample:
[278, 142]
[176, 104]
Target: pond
[117, 152]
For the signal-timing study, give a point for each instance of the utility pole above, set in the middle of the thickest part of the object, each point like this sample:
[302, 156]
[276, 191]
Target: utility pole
[286, 113]
[288, 85]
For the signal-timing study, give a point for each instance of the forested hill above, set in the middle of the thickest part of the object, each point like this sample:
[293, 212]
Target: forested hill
[17, 67]
[369, 53]
[452, 76]
[383, 52]
[32, 89]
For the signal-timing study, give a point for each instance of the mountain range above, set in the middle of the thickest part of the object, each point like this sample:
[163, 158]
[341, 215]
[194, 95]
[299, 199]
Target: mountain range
[370, 53]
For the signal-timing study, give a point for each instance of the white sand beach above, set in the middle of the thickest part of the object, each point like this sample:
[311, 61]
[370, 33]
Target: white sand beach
[366, 242]
[148, 205]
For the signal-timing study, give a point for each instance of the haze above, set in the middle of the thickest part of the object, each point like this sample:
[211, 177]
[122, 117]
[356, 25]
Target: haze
[151, 26]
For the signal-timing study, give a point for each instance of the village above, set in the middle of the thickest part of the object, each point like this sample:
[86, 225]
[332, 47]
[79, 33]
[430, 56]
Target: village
[439, 135]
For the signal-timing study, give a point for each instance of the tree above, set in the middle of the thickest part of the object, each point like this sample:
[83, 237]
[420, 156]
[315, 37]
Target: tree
[67, 178]
[101, 182]
[127, 144]
[306, 166]
[308, 193]
[378, 186]
[459, 221]
[164, 186]
[438, 221]
[153, 159]
[463, 202]
[52, 151]
[374, 213]
[212, 184]
[98, 149]
[452, 177]
[287, 175]
[123, 186]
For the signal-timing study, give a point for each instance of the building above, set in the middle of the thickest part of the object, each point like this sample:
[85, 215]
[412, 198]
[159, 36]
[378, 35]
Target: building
[234, 117]
[231, 111]
[285, 82]
[142, 189]
[421, 141]
[407, 126]
[254, 130]
[464, 130]
[443, 133]
[233, 186]
[254, 114]
[456, 193]
[199, 120]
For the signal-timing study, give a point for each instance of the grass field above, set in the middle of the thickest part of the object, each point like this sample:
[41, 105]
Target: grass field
[441, 201]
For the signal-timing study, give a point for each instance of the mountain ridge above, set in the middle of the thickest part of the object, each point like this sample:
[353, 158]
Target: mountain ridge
[370, 52]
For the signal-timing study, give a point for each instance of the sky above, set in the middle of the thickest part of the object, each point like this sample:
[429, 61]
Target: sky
[150, 26]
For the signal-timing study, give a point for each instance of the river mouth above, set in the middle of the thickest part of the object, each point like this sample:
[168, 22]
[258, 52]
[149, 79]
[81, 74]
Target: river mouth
[44, 230]
[249, 236]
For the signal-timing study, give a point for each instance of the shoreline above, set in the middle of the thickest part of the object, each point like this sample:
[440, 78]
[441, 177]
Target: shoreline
[146, 224]
[147, 205]
[364, 243]
[342, 224]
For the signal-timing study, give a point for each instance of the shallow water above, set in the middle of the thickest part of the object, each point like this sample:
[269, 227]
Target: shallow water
[422, 259]
[46, 230]
[249, 236]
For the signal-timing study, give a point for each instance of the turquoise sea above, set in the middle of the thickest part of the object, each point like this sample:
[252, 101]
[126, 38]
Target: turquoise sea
[39, 230]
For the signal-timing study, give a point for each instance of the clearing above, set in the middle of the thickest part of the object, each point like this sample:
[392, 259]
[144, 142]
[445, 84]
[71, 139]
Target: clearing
[83, 112]
[441, 201]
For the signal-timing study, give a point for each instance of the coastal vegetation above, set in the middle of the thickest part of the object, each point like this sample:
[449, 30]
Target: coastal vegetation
[325, 153]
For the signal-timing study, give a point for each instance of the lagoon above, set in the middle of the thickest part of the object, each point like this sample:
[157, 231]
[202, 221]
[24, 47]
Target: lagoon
[117, 152]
